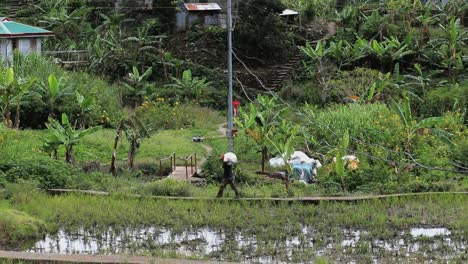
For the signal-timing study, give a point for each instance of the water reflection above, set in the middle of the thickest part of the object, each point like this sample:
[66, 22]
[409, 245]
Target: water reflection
[218, 244]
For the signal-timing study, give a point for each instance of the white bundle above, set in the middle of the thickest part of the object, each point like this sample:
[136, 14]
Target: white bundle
[230, 157]
[300, 157]
[277, 162]
[350, 158]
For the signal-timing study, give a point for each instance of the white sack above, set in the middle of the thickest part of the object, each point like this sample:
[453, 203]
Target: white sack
[230, 157]
[277, 162]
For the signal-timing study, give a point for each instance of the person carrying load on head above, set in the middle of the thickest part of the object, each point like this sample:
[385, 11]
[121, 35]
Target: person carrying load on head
[228, 159]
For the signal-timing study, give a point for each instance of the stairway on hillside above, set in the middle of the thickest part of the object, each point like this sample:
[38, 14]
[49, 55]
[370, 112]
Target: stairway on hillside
[283, 72]
[15, 5]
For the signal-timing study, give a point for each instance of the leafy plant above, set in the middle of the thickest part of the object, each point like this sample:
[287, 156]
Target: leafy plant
[412, 126]
[193, 88]
[259, 122]
[137, 85]
[63, 133]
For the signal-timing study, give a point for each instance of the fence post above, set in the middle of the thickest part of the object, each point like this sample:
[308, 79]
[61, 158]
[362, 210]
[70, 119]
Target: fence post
[191, 165]
[160, 168]
[186, 169]
[195, 162]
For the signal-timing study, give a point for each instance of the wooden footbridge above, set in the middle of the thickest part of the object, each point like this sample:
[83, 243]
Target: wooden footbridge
[185, 172]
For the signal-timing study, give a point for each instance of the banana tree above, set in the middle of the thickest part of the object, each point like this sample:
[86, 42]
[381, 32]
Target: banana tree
[389, 51]
[7, 83]
[283, 141]
[63, 133]
[259, 122]
[86, 104]
[193, 88]
[51, 92]
[450, 47]
[23, 88]
[427, 20]
[135, 131]
[319, 66]
[137, 86]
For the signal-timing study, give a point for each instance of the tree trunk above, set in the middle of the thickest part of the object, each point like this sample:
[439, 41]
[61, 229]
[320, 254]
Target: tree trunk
[8, 122]
[69, 154]
[55, 153]
[17, 117]
[113, 169]
[131, 155]
[340, 4]
[264, 158]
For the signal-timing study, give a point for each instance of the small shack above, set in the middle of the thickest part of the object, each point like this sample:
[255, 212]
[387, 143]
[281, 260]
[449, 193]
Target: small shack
[207, 14]
[24, 38]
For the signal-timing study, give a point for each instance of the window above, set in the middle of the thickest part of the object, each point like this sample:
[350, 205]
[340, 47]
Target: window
[14, 44]
[33, 45]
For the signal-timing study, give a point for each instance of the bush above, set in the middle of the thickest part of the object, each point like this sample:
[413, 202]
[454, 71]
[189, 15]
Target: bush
[173, 115]
[443, 99]
[48, 173]
[168, 187]
[17, 226]
[371, 123]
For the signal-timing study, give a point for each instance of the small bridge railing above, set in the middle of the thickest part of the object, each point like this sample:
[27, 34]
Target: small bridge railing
[172, 161]
[193, 164]
[70, 58]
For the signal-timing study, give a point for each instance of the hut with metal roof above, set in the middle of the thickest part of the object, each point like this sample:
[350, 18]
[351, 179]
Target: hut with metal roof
[208, 14]
[24, 38]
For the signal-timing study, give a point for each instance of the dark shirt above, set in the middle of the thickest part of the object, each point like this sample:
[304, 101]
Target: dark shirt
[227, 171]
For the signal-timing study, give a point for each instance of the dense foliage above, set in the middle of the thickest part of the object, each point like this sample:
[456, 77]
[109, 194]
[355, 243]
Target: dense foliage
[385, 82]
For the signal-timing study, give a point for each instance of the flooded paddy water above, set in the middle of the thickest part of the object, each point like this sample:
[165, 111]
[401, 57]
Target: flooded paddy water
[343, 245]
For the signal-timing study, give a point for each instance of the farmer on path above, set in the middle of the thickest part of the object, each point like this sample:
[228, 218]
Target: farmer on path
[228, 160]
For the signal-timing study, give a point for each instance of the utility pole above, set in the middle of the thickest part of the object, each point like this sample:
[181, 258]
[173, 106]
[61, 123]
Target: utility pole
[230, 110]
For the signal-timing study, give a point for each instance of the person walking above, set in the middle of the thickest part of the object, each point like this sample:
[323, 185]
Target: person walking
[236, 105]
[228, 178]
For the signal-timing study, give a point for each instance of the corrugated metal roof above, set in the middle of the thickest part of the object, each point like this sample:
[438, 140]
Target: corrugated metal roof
[10, 28]
[202, 6]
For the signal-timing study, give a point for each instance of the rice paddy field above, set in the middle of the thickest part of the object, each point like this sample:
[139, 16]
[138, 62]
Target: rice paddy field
[420, 229]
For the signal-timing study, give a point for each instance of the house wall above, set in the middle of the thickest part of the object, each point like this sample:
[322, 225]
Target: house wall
[6, 49]
[25, 46]
[181, 21]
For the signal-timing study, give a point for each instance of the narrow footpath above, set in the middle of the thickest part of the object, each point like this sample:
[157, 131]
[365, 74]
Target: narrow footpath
[81, 258]
[181, 172]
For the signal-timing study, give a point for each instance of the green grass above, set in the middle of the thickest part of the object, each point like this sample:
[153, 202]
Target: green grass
[448, 210]
[271, 224]
[98, 146]
[16, 226]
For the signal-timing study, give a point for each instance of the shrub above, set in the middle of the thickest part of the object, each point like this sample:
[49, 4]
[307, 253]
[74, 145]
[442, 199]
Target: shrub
[163, 115]
[443, 99]
[18, 226]
[48, 173]
[168, 187]
[371, 123]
